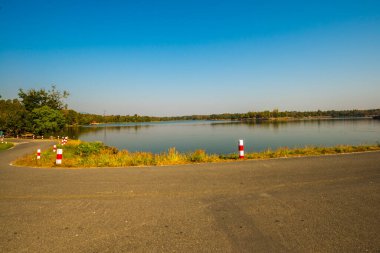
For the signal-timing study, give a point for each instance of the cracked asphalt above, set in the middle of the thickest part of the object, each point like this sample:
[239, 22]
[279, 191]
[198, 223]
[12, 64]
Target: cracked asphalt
[310, 204]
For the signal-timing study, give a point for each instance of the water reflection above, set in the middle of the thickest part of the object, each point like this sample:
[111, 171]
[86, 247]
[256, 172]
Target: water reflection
[222, 136]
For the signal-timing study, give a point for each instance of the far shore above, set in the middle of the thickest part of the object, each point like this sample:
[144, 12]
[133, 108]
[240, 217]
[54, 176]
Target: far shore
[272, 119]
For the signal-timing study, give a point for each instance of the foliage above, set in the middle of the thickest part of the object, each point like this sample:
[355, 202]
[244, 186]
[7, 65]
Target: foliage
[83, 154]
[85, 118]
[88, 148]
[33, 99]
[46, 120]
[198, 156]
[37, 111]
[71, 116]
[12, 117]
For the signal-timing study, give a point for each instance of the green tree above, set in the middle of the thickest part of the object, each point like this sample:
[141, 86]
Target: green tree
[45, 120]
[275, 113]
[12, 117]
[71, 116]
[33, 99]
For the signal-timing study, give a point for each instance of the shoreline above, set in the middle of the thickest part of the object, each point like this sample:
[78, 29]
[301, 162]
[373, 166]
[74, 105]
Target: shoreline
[78, 154]
[279, 119]
[200, 163]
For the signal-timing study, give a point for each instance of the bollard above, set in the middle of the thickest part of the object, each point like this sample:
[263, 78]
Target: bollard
[38, 154]
[42, 137]
[64, 140]
[54, 148]
[241, 149]
[59, 156]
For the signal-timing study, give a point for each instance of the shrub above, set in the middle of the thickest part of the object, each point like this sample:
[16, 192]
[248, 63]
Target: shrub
[198, 156]
[89, 148]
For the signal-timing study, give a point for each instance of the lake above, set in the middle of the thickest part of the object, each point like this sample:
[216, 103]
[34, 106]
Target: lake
[221, 137]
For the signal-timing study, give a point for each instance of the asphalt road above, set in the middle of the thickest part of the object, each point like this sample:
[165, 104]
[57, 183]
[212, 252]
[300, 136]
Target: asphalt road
[315, 204]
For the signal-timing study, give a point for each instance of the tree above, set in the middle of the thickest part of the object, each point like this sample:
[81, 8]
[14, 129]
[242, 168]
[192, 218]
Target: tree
[12, 117]
[46, 120]
[275, 113]
[71, 116]
[33, 99]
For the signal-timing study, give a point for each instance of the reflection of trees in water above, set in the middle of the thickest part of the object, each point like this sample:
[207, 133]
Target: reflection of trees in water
[252, 124]
[74, 132]
[277, 124]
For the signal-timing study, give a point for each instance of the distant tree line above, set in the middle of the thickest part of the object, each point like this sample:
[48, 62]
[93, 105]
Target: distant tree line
[42, 112]
[74, 118]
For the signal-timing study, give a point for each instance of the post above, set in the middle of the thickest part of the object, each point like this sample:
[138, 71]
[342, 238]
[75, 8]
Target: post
[54, 148]
[241, 149]
[59, 156]
[38, 154]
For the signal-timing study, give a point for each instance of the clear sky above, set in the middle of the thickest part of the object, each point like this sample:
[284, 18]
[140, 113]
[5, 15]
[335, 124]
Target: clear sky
[170, 57]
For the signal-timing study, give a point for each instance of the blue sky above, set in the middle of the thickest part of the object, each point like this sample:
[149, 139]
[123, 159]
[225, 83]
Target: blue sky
[194, 57]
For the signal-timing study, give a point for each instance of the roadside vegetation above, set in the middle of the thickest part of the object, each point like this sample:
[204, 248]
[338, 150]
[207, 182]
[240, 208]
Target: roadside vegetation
[96, 154]
[5, 145]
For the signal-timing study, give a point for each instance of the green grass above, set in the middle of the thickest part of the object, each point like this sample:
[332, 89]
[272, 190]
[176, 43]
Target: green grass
[5, 146]
[96, 154]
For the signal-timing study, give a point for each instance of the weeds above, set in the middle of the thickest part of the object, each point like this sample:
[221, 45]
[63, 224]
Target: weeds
[96, 154]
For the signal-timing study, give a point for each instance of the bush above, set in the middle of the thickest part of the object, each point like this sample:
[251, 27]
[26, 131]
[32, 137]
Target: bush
[89, 148]
[198, 156]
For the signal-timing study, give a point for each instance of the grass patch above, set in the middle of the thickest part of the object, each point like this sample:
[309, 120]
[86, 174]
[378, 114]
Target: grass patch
[96, 154]
[6, 145]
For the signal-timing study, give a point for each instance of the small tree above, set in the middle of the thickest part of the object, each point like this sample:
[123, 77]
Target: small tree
[46, 120]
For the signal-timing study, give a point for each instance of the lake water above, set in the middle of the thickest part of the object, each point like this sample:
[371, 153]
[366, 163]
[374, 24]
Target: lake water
[221, 137]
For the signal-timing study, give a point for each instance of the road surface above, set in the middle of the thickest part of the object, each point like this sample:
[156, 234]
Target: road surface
[314, 204]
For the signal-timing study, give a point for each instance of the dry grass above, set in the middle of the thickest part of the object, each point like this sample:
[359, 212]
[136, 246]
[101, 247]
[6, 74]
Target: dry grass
[95, 154]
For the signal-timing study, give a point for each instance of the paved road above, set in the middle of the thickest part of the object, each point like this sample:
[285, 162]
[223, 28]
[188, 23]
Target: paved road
[317, 204]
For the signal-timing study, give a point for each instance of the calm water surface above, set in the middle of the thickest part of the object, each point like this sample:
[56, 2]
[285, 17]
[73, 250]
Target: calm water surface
[222, 136]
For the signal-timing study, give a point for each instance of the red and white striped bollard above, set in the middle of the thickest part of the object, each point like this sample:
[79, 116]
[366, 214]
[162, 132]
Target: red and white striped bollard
[54, 148]
[241, 149]
[38, 154]
[59, 156]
